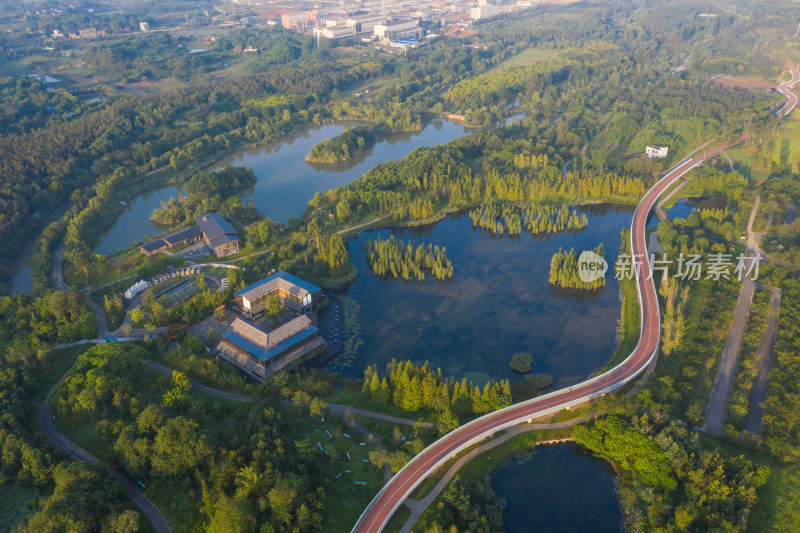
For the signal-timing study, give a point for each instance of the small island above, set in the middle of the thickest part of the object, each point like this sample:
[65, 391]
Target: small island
[564, 271]
[395, 259]
[350, 143]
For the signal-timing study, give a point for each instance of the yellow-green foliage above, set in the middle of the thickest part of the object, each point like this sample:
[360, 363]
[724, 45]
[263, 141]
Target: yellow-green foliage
[564, 271]
[392, 258]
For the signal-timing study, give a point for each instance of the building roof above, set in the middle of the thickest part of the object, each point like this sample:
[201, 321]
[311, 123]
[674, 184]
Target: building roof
[152, 246]
[265, 346]
[181, 235]
[279, 280]
[217, 230]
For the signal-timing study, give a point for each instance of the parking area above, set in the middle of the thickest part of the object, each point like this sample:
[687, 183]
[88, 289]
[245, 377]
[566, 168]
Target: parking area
[329, 322]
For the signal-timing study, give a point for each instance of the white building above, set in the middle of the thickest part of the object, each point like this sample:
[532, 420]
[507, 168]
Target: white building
[654, 151]
[397, 30]
[335, 32]
[135, 289]
[484, 12]
[144, 26]
[365, 23]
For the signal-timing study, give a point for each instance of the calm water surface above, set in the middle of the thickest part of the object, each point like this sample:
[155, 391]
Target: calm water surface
[557, 489]
[286, 182]
[498, 303]
[134, 224]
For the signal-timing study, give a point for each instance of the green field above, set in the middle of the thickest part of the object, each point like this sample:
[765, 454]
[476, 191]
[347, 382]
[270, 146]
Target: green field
[526, 57]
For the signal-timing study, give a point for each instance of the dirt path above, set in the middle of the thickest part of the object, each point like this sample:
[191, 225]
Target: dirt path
[755, 416]
[419, 506]
[723, 383]
[373, 221]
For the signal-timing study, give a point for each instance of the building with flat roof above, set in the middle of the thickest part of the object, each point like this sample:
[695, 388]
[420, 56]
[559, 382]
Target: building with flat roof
[653, 151]
[254, 350]
[218, 234]
[295, 294]
[397, 29]
[335, 32]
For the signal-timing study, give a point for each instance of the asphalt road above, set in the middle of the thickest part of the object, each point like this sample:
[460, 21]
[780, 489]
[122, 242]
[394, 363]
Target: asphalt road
[397, 490]
[150, 510]
[783, 88]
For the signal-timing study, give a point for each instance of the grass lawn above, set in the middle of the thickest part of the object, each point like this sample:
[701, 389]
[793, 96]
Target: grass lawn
[399, 518]
[346, 500]
[526, 57]
[17, 504]
[778, 508]
[378, 85]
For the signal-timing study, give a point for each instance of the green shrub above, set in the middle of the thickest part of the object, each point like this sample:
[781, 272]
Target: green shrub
[521, 363]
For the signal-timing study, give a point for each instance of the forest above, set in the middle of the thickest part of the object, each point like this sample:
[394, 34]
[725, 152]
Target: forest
[206, 193]
[683, 485]
[609, 85]
[395, 259]
[61, 494]
[504, 218]
[350, 143]
[413, 388]
[217, 466]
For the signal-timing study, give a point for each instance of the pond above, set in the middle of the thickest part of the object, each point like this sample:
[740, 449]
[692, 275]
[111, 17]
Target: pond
[134, 224]
[558, 489]
[498, 303]
[286, 181]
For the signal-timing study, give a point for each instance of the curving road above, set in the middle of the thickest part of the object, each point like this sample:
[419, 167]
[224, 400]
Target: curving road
[153, 513]
[400, 487]
[791, 98]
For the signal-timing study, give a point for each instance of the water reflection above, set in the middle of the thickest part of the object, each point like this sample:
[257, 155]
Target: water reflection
[499, 302]
[558, 489]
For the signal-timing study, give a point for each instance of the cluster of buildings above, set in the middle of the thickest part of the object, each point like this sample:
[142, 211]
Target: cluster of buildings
[391, 22]
[217, 233]
[85, 33]
[259, 352]
[338, 24]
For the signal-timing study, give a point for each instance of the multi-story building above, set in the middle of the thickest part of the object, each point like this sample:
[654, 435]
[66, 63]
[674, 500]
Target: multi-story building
[397, 29]
[295, 294]
[335, 32]
[365, 23]
[218, 234]
[653, 151]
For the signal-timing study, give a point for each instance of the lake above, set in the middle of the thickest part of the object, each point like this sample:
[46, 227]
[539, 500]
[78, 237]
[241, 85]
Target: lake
[286, 182]
[558, 489]
[134, 224]
[498, 303]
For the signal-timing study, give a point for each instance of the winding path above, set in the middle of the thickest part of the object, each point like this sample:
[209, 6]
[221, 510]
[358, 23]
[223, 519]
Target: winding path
[150, 509]
[393, 494]
[335, 408]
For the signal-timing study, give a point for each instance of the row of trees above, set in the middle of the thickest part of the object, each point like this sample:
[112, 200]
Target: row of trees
[537, 219]
[414, 388]
[782, 406]
[392, 258]
[565, 270]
